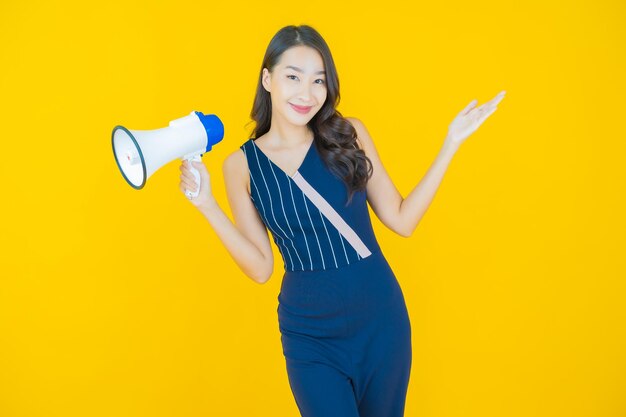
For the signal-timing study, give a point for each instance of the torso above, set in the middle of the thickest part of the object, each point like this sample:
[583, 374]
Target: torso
[303, 211]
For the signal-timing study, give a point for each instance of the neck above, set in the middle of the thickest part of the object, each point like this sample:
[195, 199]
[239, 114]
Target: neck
[289, 135]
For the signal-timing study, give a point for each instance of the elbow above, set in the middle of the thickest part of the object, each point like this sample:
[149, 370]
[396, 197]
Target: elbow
[404, 232]
[258, 276]
[262, 280]
[400, 227]
[263, 277]
[400, 230]
[261, 270]
[259, 279]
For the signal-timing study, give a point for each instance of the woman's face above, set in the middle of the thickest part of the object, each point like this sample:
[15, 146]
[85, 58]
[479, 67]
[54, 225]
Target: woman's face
[298, 80]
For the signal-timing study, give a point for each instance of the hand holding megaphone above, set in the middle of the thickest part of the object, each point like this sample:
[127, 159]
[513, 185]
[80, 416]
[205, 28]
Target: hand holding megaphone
[189, 185]
[197, 179]
[139, 153]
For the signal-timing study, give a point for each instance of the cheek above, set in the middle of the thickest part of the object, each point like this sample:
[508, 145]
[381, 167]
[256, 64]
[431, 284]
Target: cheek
[288, 91]
[321, 95]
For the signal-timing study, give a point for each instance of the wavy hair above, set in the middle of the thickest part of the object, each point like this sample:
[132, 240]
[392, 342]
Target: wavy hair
[334, 135]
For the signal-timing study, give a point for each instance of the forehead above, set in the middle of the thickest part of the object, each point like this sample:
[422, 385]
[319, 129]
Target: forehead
[302, 59]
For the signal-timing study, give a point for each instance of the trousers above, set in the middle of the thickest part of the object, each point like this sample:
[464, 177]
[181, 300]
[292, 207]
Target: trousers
[346, 338]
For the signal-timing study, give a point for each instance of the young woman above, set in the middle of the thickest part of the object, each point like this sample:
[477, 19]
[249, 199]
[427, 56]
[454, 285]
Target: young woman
[307, 175]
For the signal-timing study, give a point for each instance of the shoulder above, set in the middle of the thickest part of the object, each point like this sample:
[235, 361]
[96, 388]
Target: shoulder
[363, 138]
[235, 166]
[354, 121]
[235, 160]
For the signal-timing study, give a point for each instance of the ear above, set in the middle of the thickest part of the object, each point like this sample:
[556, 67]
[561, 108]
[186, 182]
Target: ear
[266, 79]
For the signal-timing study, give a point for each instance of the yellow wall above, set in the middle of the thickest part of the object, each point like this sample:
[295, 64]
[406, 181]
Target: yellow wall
[117, 302]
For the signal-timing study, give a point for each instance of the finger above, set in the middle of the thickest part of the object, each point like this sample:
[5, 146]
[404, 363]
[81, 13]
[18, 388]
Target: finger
[199, 166]
[186, 190]
[190, 185]
[484, 115]
[183, 189]
[490, 112]
[498, 98]
[188, 176]
[478, 111]
[188, 172]
[204, 173]
[485, 108]
[469, 107]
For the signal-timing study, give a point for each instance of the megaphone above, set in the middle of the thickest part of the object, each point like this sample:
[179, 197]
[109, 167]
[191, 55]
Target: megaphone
[139, 153]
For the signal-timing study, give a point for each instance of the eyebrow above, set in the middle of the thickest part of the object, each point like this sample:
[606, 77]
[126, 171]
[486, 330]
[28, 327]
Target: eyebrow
[300, 70]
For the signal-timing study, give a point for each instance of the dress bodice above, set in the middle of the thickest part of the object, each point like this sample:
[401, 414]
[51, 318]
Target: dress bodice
[305, 237]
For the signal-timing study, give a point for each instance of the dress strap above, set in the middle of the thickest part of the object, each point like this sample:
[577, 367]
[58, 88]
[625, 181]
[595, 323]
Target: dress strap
[331, 214]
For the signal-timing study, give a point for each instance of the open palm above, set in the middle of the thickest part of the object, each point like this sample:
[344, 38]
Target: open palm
[470, 118]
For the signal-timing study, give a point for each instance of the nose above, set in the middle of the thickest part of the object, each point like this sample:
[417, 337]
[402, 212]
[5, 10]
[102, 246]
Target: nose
[305, 94]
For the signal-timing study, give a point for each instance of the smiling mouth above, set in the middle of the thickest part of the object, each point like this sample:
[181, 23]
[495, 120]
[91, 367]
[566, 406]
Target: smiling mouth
[301, 109]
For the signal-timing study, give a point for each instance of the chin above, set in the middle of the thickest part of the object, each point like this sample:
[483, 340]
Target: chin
[303, 120]
[300, 122]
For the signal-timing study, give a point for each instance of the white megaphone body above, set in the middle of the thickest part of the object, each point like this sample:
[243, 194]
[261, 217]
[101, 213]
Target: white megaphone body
[139, 153]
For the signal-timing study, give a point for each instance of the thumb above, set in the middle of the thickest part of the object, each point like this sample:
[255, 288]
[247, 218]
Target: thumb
[199, 165]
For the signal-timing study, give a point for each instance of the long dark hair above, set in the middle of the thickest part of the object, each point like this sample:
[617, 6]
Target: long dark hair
[334, 135]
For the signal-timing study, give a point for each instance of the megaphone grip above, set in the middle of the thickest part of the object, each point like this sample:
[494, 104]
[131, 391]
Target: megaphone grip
[196, 174]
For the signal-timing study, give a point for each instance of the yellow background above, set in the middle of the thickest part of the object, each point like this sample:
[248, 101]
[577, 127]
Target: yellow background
[117, 302]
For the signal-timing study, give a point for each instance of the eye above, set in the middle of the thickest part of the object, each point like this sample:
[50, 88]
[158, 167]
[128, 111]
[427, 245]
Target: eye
[319, 79]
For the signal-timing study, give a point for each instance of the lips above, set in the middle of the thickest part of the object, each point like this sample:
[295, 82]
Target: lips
[301, 109]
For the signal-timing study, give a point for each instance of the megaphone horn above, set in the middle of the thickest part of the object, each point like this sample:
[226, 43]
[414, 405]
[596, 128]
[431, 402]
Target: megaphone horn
[139, 153]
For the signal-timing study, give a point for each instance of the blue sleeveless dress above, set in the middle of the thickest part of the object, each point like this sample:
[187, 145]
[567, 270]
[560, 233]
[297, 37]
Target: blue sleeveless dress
[344, 325]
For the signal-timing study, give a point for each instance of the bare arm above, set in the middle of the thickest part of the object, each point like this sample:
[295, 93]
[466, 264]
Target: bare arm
[401, 215]
[414, 206]
[247, 242]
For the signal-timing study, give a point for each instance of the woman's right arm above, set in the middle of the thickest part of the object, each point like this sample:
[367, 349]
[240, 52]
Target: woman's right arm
[247, 240]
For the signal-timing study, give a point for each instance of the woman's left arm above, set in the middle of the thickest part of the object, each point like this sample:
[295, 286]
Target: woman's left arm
[402, 215]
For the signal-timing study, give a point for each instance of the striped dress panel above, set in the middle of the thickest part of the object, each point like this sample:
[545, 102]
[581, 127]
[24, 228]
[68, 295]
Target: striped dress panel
[306, 240]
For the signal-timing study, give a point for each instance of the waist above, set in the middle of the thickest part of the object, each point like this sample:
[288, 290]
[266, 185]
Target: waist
[365, 289]
[376, 255]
